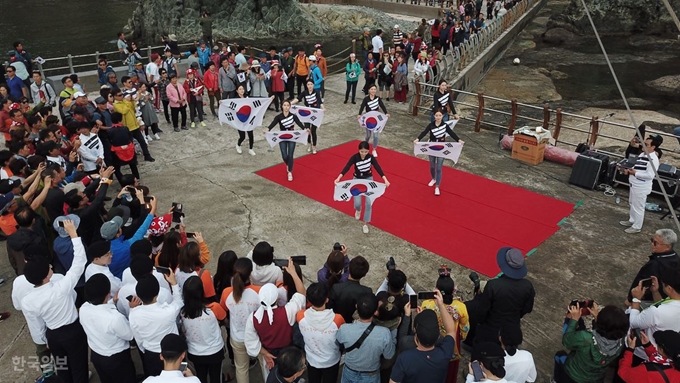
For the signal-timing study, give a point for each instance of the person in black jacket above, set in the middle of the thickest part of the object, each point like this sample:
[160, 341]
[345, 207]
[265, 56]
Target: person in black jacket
[29, 233]
[122, 147]
[363, 162]
[663, 257]
[89, 212]
[508, 298]
[343, 296]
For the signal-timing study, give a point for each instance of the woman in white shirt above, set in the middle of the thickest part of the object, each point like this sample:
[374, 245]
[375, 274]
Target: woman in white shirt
[240, 300]
[201, 327]
[519, 364]
[264, 269]
[490, 357]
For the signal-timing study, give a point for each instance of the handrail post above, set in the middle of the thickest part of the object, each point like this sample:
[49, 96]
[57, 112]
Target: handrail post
[513, 118]
[480, 111]
[594, 131]
[96, 57]
[250, 52]
[41, 70]
[558, 124]
[416, 97]
[354, 46]
[546, 116]
[70, 63]
[148, 52]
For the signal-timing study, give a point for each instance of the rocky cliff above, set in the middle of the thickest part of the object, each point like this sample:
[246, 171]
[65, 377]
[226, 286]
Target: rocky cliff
[253, 19]
[615, 17]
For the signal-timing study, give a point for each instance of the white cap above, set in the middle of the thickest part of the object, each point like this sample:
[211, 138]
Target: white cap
[79, 94]
[396, 26]
[312, 58]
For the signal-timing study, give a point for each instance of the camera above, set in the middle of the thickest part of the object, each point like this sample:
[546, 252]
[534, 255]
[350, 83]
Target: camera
[391, 265]
[297, 259]
[337, 246]
[583, 305]
[177, 213]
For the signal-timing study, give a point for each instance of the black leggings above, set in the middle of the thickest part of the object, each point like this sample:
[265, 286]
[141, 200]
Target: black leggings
[215, 96]
[242, 137]
[175, 116]
[278, 100]
[311, 138]
[351, 85]
[166, 108]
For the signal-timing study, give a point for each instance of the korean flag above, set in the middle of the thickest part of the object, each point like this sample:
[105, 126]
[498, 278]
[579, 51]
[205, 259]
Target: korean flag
[374, 121]
[299, 136]
[345, 190]
[243, 113]
[448, 150]
[308, 115]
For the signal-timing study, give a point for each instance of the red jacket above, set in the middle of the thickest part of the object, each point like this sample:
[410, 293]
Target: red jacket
[211, 81]
[277, 81]
[188, 87]
[644, 374]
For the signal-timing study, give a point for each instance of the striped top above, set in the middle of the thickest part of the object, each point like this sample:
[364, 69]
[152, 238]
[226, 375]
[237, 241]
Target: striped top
[286, 123]
[442, 100]
[372, 104]
[311, 99]
[438, 132]
[644, 172]
[362, 166]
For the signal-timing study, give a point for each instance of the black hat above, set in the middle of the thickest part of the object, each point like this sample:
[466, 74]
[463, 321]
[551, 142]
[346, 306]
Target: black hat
[147, 288]
[427, 328]
[141, 266]
[7, 185]
[173, 345]
[484, 350]
[98, 249]
[669, 341]
[142, 246]
[97, 288]
[36, 269]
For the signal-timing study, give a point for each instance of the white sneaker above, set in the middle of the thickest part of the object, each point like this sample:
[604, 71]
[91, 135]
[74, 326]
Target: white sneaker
[357, 214]
[365, 229]
[625, 223]
[309, 148]
[375, 154]
[290, 176]
[632, 230]
[156, 136]
[314, 150]
[149, 139]
[238, 149]
[193, 124]
[251, 152]
[436, 191]
[431, 183]
[202, 124]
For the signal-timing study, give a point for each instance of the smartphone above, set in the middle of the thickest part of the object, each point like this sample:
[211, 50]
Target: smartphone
[131, 190]
[129, 298]
[61, 223]
[413, 300]
[477, 371]
[647, 282]
[190, 235]
[638, 338]
[424, 295]
[280, 262]
[177, 213]
[147, 206]
[182, 366]
[163, 270]
[299, 259]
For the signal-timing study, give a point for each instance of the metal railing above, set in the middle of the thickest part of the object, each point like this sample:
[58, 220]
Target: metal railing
[568, 129]
[450, 64]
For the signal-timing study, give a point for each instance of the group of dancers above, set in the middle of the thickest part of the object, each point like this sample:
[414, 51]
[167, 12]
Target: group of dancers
[365, 160]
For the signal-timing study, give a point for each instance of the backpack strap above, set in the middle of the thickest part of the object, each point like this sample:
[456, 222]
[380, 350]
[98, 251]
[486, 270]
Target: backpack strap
[361, 339]
[658, 368]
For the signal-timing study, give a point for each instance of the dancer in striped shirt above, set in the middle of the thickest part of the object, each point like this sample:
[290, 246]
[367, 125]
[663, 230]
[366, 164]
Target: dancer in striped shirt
[286, 121]
[442, 100]
[362, 163]
[438, 131]
[312, 99]
[372, 103]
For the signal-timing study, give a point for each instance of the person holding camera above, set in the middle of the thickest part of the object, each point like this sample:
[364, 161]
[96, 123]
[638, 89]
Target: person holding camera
[336, 268]
[591, 351]
[454, 309]
[488, 364]
[664, 314]
[663, 257]
[664, 359]
[640, 178]
[264, 269]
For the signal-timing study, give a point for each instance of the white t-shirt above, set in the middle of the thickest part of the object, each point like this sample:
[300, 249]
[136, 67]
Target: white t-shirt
[203, 334]
[239, 312]
[520, 367]
[152, 70]
[377, 44]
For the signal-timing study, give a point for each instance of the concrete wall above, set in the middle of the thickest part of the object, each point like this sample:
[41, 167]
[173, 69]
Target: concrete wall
[473, 73]
[388, 6]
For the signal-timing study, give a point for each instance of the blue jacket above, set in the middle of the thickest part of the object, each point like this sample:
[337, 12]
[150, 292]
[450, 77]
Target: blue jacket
[120, 247]
[316, 76]
[102, 75]
[204, 55]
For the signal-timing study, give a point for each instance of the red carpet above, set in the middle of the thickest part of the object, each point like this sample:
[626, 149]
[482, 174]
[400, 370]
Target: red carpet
[471, 219]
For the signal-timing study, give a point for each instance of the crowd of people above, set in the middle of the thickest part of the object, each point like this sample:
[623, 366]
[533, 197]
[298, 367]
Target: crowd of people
[128, 281]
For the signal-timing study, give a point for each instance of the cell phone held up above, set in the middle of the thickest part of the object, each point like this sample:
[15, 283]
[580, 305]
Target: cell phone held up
[477, 371]
[297, 259]
[425, 295]
[163, 270]
[177, 212]
[584, 305]
[413, 300]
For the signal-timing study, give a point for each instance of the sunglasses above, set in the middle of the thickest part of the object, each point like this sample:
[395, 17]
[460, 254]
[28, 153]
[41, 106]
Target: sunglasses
[10, 71]
[655, 242]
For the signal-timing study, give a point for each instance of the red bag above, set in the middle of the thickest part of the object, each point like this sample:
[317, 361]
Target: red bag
[125, 153]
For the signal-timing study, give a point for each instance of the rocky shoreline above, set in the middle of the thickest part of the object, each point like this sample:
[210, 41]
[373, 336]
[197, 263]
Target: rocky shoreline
[256, 19]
